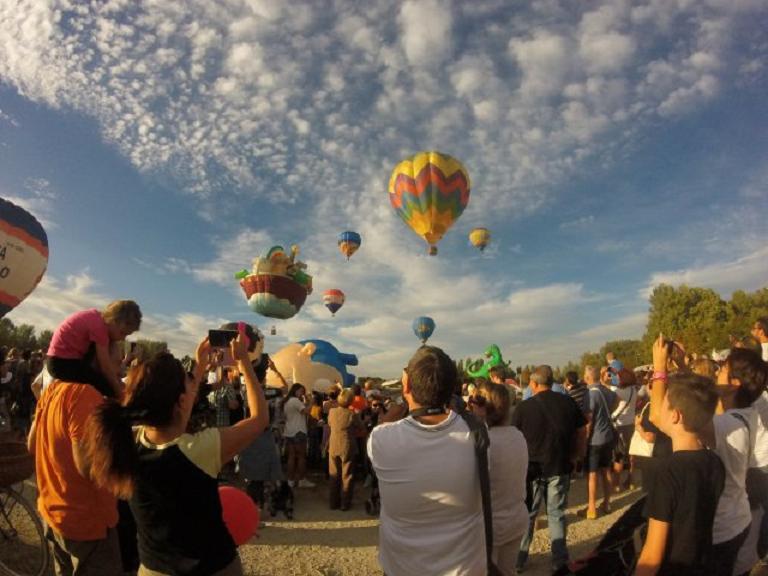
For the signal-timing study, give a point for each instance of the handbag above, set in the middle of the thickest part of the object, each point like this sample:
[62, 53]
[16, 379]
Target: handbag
[639, 446]
[482, 443]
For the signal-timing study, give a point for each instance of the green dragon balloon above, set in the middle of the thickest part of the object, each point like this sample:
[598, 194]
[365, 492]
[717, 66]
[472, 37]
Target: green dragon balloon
[480, 369]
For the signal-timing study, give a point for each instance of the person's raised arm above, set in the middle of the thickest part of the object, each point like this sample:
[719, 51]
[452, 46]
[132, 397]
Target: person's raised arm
[235, 438]
[659, 388]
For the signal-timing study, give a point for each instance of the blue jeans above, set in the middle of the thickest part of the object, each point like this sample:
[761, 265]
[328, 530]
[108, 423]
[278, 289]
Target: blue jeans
[553, 490]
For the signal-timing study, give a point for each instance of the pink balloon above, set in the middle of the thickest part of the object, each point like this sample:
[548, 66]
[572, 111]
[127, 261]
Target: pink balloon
[239, 513]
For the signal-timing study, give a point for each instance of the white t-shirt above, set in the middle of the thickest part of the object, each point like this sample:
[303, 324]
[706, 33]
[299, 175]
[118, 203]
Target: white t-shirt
[764, 346]
[295, 419]
[624, 414]
[431, 510]
[509, 465]
[733, 447]
[760, 442]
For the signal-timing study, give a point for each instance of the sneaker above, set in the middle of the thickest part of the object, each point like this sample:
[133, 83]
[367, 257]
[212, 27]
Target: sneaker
[304, 483]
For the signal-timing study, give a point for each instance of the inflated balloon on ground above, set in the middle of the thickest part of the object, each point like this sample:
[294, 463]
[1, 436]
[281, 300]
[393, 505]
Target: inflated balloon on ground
[240, 514]
[429, 191]
[23, 255]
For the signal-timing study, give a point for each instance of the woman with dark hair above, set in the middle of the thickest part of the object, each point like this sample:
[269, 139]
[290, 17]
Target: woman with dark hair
[295, 410]
[139, 450]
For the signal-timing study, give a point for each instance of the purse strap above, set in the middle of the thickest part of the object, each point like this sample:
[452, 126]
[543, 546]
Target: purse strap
[482, 442]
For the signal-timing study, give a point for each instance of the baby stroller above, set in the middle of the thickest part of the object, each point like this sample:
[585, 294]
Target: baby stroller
[617, 552]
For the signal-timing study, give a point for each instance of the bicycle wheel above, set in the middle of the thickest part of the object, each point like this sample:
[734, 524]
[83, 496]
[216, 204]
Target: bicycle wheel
[23, 548]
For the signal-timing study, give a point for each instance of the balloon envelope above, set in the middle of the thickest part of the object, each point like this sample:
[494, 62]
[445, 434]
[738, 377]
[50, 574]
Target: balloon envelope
[23, 255]
[423, 327]
[349, 242]
[480, 237]
[333, 300]
[239, 513]
[429, 191]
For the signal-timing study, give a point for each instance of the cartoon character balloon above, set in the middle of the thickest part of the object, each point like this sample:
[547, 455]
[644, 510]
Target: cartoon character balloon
[429, 191]
[277, 286]
[423, 327]
[480, 237]
[23, 255]
[333, 300]
[349, 242]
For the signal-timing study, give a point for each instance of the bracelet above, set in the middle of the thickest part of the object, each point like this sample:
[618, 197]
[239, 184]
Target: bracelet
[660, 375]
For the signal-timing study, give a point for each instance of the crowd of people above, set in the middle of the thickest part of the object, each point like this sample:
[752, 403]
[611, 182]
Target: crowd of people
[457, 472]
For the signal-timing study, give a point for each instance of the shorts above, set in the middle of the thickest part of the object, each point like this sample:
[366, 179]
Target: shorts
[300, 438]
[621, 449]
[599, 456]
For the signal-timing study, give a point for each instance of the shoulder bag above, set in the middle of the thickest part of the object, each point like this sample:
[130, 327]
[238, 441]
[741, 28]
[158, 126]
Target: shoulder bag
[639, 446]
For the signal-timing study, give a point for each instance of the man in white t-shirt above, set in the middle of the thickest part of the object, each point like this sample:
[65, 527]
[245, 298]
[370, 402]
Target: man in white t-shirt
[431, 512]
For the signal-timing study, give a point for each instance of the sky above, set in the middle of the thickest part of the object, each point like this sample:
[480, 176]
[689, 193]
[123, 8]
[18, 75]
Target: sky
[611, 146]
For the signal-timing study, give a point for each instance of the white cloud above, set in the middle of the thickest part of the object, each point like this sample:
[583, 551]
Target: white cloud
[38, 199]
[748, 272]
[581, 223]
[426, 31]
[54, 299]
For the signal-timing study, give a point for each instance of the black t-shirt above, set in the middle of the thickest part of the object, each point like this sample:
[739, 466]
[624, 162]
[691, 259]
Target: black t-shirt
[548, 421]
[685, 492]
[662, 445]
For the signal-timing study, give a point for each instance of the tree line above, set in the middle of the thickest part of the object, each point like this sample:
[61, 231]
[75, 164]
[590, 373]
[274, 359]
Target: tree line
[698, 317]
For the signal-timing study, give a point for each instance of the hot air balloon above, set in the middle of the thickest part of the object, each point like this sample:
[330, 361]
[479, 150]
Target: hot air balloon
[349, 242]
[23, 255]
[333, 300]
[423, 327]
[429, 191]
[278, 285]
[480, 237]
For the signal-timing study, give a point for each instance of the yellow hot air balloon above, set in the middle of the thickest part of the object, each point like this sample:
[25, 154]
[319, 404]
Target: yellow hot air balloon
[480, 237]
[429, 191]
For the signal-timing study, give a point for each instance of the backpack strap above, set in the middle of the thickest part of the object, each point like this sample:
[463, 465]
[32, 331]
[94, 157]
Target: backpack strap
[482, 443]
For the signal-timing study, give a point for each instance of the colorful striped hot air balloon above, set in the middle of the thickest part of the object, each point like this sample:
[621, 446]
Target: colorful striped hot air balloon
[333, 300]
[480, 237]
[423, 327]
[23, 255]
[349, 242]
[429, 191]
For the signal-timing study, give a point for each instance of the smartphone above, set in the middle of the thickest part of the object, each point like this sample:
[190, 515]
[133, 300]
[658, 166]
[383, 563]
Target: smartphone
[221, 338]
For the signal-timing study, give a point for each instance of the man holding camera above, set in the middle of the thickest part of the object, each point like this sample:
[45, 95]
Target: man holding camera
[431, 512]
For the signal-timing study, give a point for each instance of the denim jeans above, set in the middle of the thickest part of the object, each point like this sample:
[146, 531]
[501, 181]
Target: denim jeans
[553, 490]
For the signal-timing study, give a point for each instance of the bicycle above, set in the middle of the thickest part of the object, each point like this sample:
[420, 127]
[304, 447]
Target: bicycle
[23, 547]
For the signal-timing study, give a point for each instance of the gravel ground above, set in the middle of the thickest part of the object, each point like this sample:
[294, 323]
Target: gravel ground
[319, 541]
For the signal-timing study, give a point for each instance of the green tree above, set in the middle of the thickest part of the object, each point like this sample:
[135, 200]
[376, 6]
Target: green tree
[631, 352]
[44, 339]
[697, 317]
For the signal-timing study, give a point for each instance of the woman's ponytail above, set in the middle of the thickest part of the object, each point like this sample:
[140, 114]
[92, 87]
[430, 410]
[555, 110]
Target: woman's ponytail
[111, 448]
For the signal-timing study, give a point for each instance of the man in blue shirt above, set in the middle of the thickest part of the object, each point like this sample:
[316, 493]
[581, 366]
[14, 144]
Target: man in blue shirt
[601, 402]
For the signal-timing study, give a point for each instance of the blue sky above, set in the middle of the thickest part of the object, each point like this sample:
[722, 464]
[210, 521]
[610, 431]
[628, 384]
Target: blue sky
[611, 145]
